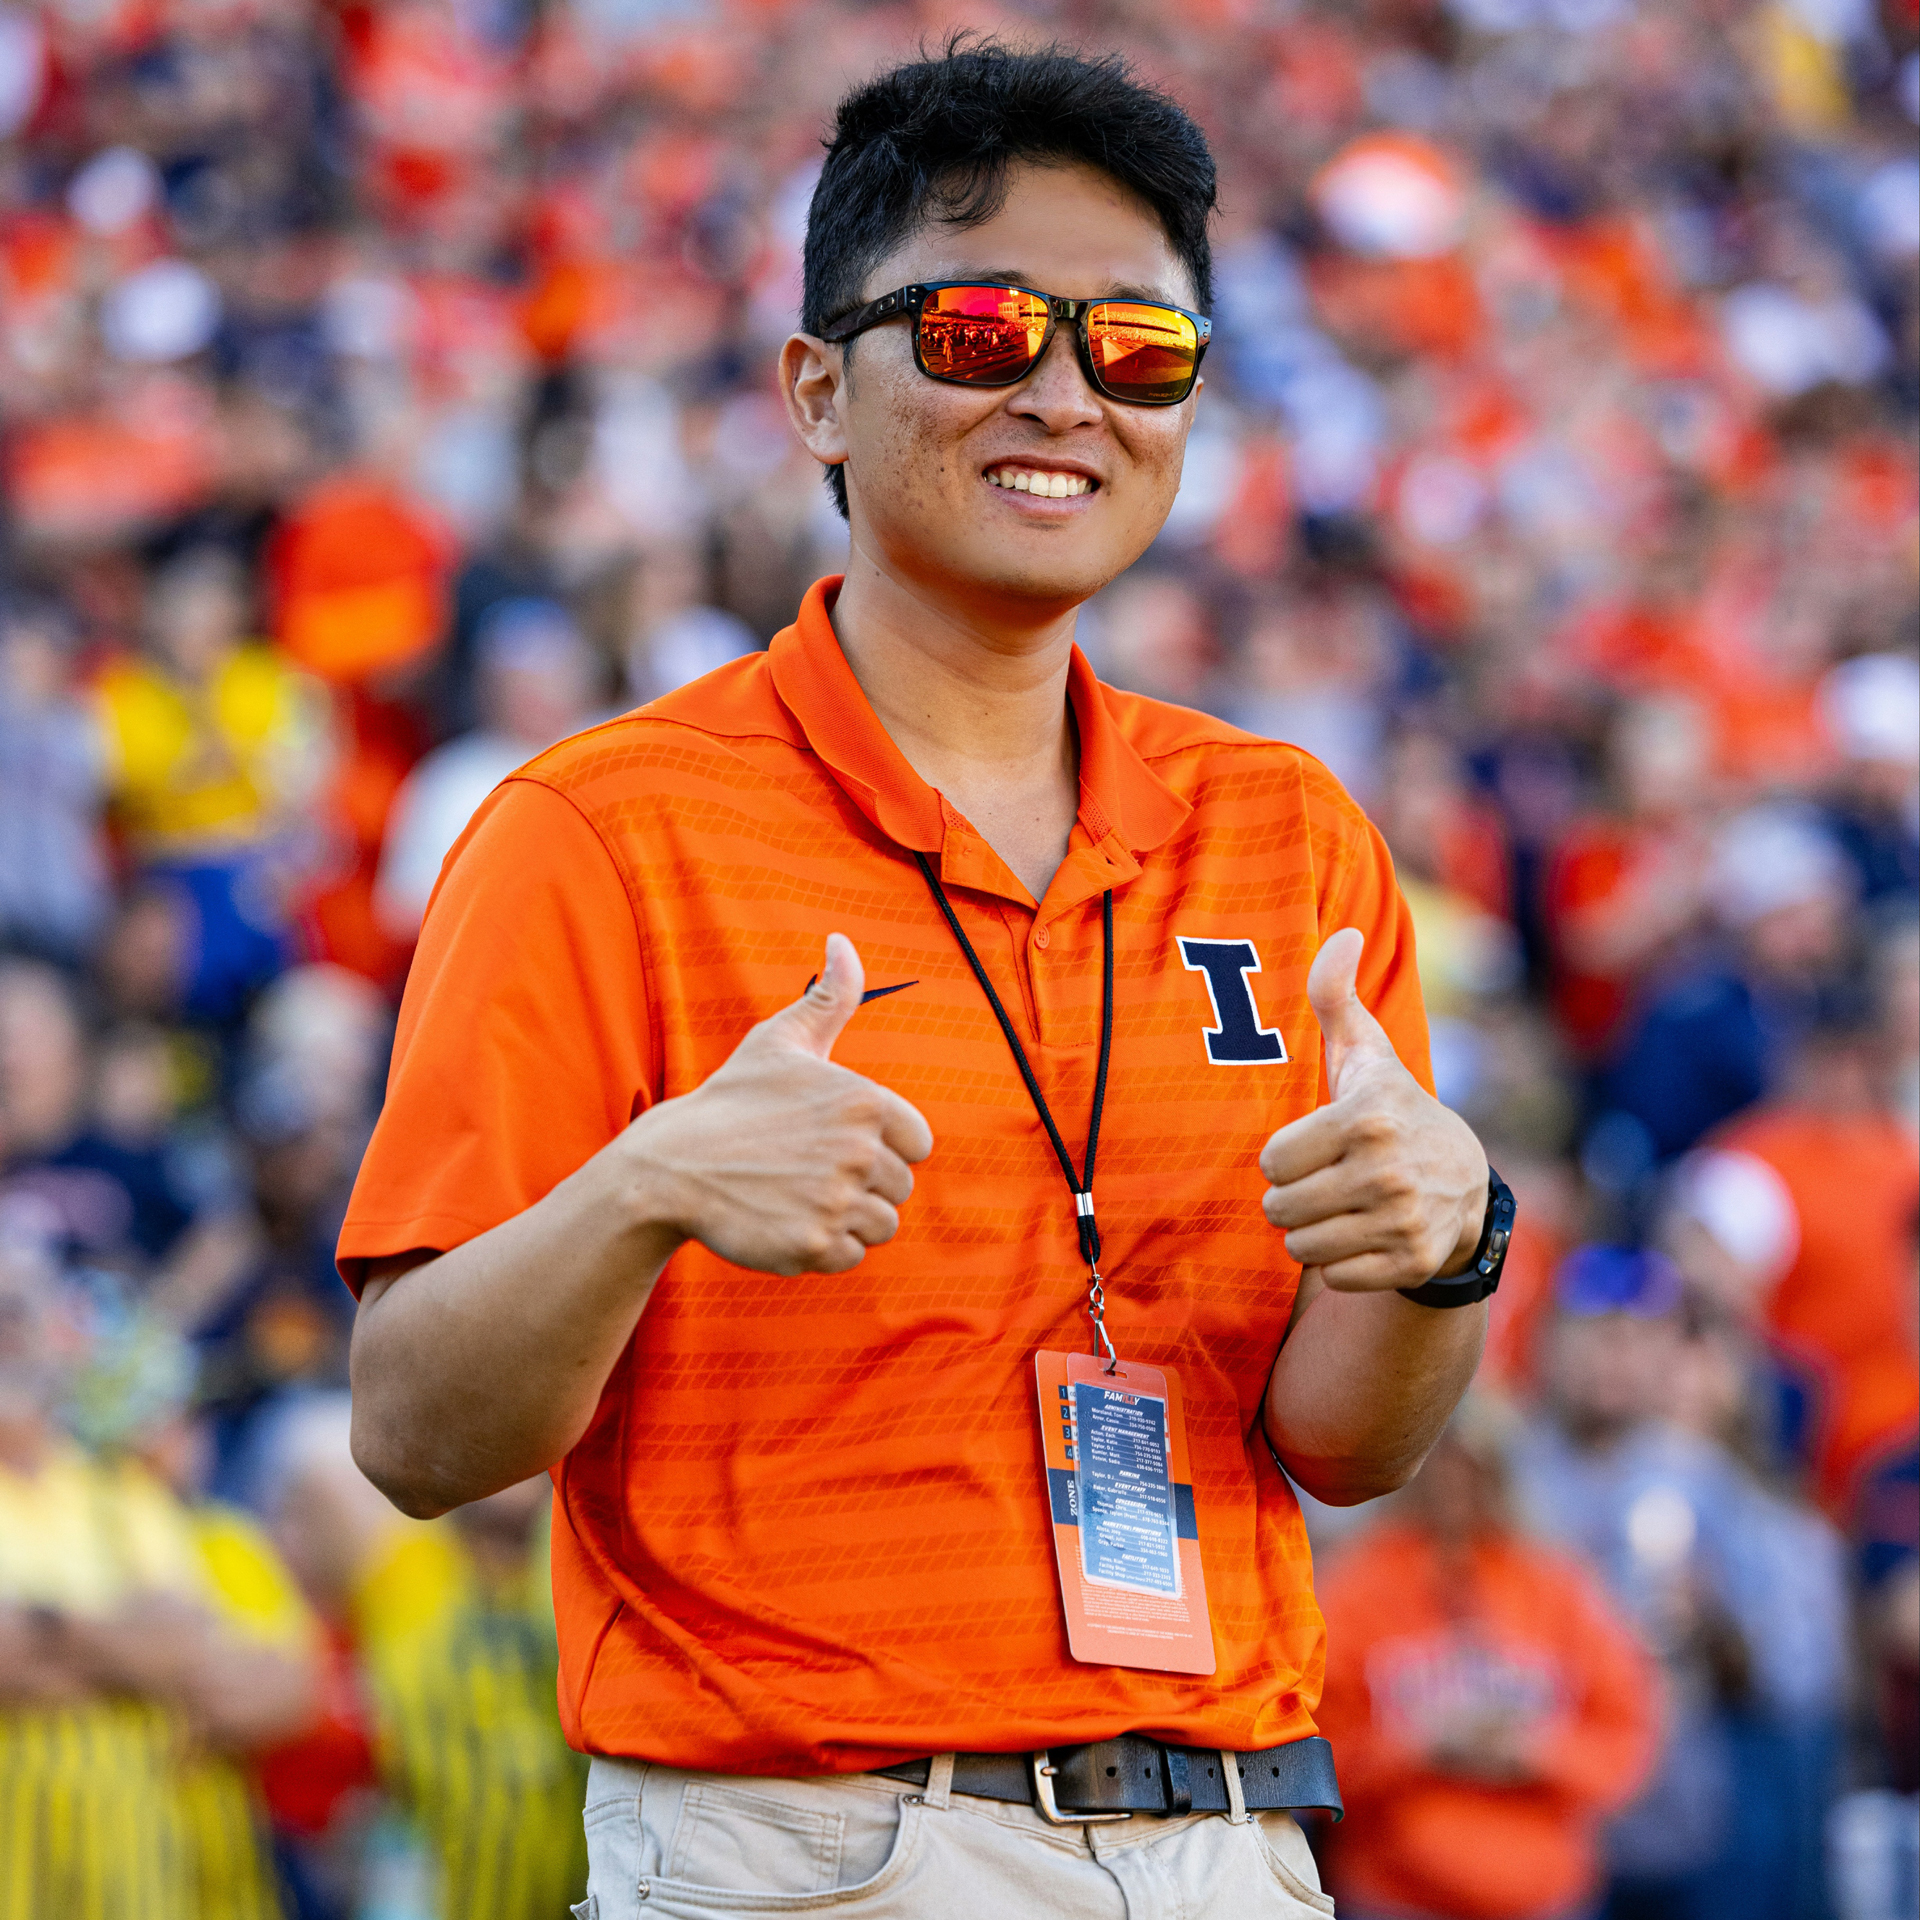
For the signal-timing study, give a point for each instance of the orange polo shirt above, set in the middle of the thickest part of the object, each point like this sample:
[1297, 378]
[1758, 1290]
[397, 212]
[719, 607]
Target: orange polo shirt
[808, 1529]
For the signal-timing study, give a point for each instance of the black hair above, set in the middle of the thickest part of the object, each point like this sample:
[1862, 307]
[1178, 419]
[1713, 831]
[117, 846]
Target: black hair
[932, 140]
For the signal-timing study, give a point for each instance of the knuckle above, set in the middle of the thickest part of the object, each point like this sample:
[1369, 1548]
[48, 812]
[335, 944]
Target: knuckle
[1396, 1185]
[1404, 1216]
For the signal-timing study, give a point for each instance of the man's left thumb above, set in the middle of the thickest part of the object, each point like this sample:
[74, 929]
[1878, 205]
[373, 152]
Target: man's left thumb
[1345, 1025]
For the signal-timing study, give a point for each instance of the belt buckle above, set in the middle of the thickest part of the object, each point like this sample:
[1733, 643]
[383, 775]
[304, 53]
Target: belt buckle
[1043, 1770]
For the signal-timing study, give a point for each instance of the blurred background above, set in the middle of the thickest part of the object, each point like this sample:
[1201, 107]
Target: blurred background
[385, 393]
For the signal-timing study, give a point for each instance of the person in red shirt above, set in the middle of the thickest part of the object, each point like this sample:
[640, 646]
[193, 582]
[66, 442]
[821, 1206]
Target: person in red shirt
[1627, 885]
[1488, 1704]
[767, 1272]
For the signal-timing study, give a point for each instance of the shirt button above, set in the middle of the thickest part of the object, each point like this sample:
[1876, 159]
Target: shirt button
[1041, 937]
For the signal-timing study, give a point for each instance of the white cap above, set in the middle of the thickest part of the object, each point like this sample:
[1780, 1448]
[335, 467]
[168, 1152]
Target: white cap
[166, 311]
[113, 190]
[1744, 1205]
[1772, 857]
[1871, 705]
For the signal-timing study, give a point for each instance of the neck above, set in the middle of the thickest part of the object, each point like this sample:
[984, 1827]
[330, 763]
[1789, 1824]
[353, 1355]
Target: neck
[976, 702]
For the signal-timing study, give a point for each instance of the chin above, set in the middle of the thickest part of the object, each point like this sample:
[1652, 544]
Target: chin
[1056, 572]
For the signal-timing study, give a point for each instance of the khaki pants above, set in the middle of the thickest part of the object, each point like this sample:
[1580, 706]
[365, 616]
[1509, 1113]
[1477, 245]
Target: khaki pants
[664, 1845]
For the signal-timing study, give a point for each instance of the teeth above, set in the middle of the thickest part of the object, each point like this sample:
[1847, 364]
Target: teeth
[1046, 486]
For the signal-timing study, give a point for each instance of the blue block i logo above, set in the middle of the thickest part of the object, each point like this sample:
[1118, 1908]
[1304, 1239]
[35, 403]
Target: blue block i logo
[1236, 1037]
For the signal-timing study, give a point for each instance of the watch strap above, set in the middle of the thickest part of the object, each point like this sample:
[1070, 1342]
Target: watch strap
[1489, 1257]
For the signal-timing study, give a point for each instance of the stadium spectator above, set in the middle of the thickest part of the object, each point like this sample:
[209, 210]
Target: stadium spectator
[1871, 704]
[213, 743]
[90, 1167]
[1720, 1031]
[535, 684]
[456, 1629]
[1837, 1300]
[669, 631]
[145, 1643]
[1648, 1505]
[326, 1521]
[54, 889]
[1489, 1705]
[1722, 1580]
[1627, 885]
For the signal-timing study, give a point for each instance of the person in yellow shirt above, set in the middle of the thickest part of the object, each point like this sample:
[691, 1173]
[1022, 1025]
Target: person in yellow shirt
[213, 745]
[257, 1684]
[456, 1631]
[144, 1646]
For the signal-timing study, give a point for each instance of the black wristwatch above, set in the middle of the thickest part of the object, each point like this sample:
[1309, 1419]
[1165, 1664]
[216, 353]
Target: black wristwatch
[1480, 1279]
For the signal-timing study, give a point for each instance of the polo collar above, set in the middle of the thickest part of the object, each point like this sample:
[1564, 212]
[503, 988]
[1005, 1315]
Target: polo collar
[1126, 809]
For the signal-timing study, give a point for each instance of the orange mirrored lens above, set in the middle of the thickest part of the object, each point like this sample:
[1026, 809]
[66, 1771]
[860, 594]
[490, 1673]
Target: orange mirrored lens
[1142, 352]
[988, 336]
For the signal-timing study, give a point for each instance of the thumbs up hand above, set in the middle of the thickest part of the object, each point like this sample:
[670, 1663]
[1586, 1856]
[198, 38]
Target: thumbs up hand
[1383, 1187]
[782, 1161]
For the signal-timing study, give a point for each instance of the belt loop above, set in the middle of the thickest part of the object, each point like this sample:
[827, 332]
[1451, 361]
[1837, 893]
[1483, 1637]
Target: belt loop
[939, 1781]
[1236, 1793]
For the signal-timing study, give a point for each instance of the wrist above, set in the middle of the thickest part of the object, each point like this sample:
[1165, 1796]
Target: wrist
[1472, 1228]
[650, 1199]
[1481, 1273]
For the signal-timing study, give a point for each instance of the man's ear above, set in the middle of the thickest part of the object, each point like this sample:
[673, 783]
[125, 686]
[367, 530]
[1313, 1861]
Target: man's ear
[813, 379]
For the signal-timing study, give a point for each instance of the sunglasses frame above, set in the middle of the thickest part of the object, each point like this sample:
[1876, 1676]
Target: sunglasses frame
[910, 302]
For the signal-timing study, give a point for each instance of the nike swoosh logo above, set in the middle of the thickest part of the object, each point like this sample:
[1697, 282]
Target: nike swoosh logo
[872, 993]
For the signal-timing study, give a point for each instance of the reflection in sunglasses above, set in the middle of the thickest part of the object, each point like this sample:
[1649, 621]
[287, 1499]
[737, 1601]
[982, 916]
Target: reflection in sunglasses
[992, 336]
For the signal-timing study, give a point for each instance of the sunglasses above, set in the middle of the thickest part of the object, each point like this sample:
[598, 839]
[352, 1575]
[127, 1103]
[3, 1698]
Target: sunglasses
[974, 335]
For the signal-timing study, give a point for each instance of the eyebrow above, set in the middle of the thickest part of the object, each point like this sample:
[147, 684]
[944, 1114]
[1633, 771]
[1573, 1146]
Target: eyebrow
[1016, 277]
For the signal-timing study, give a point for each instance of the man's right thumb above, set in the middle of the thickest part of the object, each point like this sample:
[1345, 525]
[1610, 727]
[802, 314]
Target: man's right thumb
[814, 1021]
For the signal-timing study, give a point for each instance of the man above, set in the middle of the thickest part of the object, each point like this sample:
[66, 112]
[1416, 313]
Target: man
[215, 746]
[787, 1386]
[1488, 1704]
[147, 1648]
[1733, 1593]
[535, 684]
[455, 1627]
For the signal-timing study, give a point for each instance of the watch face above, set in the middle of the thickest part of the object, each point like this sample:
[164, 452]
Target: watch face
[1501, 1208]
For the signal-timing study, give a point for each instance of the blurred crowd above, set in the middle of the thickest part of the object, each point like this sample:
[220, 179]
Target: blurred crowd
[385, 393]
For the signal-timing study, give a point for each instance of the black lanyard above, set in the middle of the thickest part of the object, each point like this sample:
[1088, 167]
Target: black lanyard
[1080, 1186]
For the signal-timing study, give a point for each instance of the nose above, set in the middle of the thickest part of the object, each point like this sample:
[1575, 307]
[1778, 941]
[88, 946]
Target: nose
[1056, 393]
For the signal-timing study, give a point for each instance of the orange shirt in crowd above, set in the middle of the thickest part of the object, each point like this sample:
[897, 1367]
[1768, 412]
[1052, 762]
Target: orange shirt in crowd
[1420, 1645]
[808, 1529]
[1600, 869]
[1843, 1313]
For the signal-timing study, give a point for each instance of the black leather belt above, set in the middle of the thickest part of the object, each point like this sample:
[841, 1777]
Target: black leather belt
[1132, 1774]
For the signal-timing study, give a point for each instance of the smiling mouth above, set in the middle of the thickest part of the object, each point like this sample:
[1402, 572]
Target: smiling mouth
[1043, 483]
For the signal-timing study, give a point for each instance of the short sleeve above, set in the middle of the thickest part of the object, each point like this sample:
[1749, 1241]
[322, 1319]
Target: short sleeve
[252, 1587]
[1361, 891]
[524, 1043]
